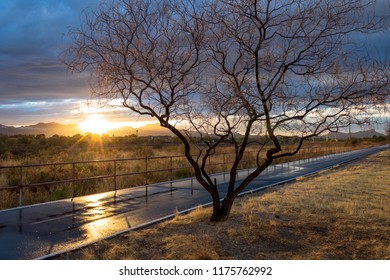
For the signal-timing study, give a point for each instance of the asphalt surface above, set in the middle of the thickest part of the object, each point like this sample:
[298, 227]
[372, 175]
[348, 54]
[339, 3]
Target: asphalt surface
[43, 230]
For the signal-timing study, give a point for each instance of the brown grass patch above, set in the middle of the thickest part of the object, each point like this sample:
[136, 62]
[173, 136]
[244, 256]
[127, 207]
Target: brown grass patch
[339, 214]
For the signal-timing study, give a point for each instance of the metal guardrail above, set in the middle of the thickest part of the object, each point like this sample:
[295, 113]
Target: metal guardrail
[220, 160]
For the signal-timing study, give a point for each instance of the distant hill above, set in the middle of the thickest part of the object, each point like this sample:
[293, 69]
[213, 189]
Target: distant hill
[50, 129]
[9, 130]
[360, 134]
[154, 130]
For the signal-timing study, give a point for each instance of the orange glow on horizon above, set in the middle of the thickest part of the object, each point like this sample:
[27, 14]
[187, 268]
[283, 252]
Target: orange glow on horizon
[96, 124]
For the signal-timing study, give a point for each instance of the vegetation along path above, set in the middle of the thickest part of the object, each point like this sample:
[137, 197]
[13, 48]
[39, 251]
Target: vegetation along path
[48, 229]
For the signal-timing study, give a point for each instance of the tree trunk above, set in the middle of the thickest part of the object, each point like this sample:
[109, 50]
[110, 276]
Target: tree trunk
[221, 210]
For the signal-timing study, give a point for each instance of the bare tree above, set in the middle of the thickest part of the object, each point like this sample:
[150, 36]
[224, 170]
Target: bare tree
[229, 70]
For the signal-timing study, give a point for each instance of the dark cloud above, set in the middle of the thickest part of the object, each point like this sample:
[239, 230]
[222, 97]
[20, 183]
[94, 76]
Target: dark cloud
[32, 29]
[377, 45]
[44, 80]
[34, 84]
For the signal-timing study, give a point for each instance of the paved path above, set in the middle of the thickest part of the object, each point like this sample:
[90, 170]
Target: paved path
[42, 230]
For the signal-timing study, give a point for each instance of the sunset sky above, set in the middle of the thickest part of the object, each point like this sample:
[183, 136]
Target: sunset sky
[34, 84]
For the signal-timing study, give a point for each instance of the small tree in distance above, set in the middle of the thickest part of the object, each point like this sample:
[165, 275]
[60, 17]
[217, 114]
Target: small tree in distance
[222, 71]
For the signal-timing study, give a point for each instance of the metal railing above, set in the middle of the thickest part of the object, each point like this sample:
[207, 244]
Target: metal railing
[137, 171]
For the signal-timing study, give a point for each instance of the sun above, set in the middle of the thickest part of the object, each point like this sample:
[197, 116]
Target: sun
[95, 124]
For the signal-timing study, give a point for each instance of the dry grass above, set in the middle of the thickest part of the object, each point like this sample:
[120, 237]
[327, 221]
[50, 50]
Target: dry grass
[338, 214]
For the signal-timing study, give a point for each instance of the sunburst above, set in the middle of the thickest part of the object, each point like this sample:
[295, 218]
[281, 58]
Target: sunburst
[96, 124]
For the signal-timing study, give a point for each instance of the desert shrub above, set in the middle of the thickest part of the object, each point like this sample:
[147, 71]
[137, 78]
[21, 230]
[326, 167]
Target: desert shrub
[183, 173]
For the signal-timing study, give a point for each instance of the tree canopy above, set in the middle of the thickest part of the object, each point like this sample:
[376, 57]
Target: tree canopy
[247, 72]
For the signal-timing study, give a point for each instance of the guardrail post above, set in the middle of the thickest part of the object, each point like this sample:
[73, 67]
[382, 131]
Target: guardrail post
[294, 162]
[73, 179]
[20, 196]
[21, 188]
[73, 214]
[224, 167]
[146, 178]
[171, 172]
[115, 181]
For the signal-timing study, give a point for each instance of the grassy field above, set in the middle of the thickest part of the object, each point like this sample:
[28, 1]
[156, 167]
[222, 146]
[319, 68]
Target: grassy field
[342, 213]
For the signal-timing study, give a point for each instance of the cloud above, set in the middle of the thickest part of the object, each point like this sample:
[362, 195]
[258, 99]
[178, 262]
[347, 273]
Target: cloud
[32, 29]
[18, 112]
[69, 111]
[32, 40]
[43, 80]
[34, 85]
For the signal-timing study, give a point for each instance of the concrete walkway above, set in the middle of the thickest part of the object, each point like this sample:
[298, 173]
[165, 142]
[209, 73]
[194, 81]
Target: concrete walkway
[43, 230]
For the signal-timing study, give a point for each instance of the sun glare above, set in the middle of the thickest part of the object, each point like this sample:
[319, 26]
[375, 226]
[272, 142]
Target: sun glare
[95, 124]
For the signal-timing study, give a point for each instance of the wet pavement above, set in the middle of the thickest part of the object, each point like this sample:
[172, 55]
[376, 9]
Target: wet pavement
[43, 230]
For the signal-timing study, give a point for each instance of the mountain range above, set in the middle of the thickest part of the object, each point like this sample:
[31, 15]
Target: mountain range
[360, 134]
[50, 129]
